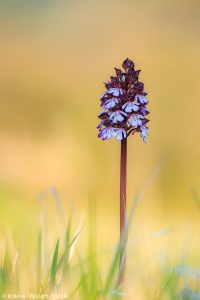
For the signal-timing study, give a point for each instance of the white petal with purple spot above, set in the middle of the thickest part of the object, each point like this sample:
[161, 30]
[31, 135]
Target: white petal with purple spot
[144, 133]
[115, 91]
[135, 120]
[107, 133]
[142, 99]
[117, 116]
[110, 103]
[120, 134]
[130, 107]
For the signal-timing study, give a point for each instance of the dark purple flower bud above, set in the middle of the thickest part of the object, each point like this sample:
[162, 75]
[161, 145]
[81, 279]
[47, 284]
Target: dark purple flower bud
[123, 105]
[132, 72]
[103, 116]
[137, 73]
[139, 86]
[127, 64]
[114, 79]
[118, 72]
[108, 85]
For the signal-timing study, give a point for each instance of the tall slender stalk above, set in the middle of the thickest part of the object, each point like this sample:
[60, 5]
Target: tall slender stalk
[123, 164]
[124, 113]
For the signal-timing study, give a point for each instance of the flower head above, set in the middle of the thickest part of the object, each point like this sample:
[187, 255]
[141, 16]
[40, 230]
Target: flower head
[124, 105]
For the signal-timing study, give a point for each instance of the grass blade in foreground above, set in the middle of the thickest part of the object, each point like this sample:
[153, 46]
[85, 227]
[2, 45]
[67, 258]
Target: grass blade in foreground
[54, 265]
[111, 284]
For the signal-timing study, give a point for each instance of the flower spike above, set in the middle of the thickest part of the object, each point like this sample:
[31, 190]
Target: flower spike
[124, 105]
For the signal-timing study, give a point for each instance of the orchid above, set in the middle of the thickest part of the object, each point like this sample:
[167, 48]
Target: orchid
[124, 103]
[123, 113]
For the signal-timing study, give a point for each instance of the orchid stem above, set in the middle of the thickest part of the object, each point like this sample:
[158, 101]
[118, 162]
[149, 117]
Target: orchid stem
[123, 165]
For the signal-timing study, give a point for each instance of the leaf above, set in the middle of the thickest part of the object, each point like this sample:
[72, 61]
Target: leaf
[54, 265]
[39, 259]
[66, 254]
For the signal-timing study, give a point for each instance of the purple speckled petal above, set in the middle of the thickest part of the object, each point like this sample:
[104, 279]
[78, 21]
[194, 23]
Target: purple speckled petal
[115, 91]
[130, 107]
[135, 120]
[120, 134]
[144, 133]
[142, 99]
[110, 103]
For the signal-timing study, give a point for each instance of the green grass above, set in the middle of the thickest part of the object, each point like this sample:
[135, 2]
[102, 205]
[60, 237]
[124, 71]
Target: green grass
[73, 265]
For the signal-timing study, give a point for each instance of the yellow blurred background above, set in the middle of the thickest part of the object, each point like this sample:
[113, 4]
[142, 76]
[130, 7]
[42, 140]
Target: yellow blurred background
[55, 56]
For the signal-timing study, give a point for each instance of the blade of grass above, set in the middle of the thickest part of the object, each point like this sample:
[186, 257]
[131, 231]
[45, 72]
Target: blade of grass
[83, 280]
[67, 247]
[114, 265]
[39, 260]
[94, 273]
[5, 271]
[113, 268]
[62, 259]
[168, 282]
[54, 265]
[14, 266]
[66, 254]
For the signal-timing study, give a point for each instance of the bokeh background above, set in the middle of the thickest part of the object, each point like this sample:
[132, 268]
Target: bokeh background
[54, 58]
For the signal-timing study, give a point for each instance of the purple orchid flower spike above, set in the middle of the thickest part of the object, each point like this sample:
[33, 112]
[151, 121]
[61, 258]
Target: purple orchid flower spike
[124, 104]
[123, 113]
